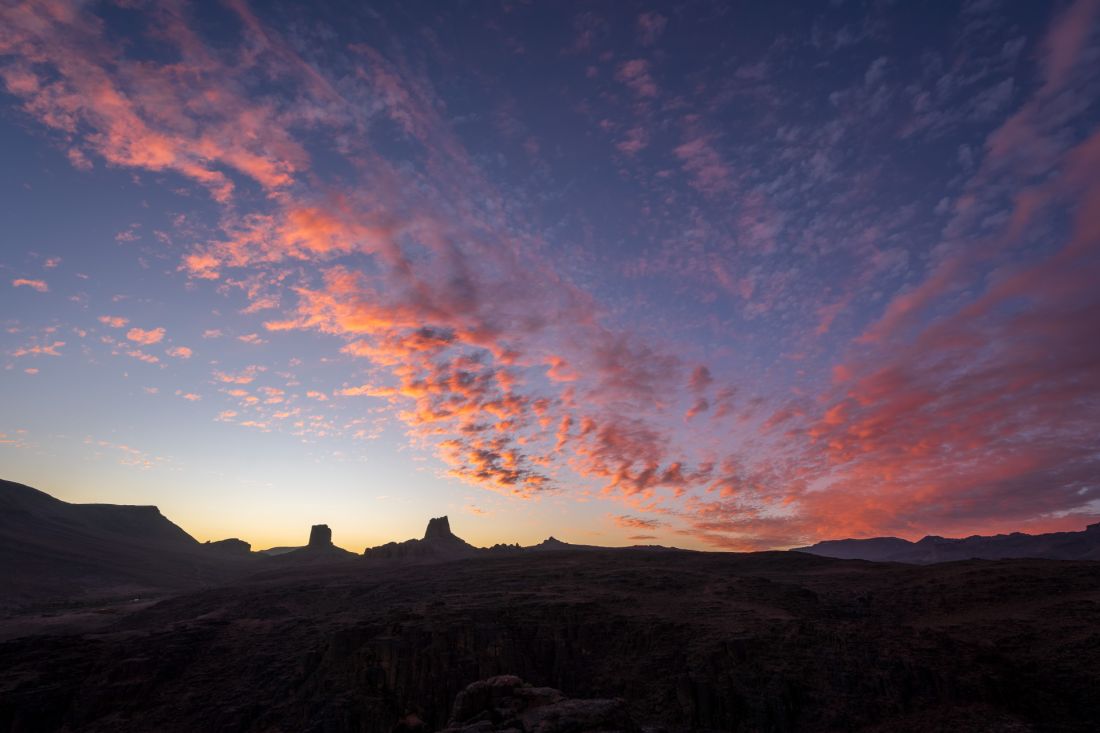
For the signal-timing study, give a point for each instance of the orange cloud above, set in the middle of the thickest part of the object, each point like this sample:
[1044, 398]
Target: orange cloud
[491, 356]
[246, 376]
[631, 522]
[180, 352]
[40, 350]
[114, 321]
[38, 285]
[142, 356]
[144, 337]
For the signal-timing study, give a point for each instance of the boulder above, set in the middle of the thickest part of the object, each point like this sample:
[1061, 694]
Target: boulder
[506, 704]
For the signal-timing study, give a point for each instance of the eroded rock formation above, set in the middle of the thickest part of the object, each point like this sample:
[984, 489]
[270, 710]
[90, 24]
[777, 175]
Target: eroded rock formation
[439, 543]
[320, 536]
[439, 528]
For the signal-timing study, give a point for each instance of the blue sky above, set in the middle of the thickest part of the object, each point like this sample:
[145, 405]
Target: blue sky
[706, 274]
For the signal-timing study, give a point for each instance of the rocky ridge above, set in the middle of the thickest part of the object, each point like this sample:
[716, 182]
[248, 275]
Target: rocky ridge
[438, 543]
[1083, 545]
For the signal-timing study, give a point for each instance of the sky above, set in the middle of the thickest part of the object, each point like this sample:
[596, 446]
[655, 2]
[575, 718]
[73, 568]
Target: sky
[726, 276]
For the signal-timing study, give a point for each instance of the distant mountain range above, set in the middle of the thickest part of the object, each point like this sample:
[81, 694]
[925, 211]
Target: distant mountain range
[1083, 545]
[54, 551]
[51, 550]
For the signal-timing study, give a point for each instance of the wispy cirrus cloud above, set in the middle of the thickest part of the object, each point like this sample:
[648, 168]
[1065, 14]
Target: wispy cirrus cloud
[760, 262]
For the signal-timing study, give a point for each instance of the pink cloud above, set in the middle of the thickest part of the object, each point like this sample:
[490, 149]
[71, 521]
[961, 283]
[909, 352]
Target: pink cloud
[708, 171]
[631, 522]
[637, 139]
[143, 356]
[123, 101]
[146, 337]
[38, 285]
[114, 321]
[1065, 40]
[52, 349]
[700, 378]
[635, 74]
[488, 354]
[246, 376]
[180, 352]
[650, 27]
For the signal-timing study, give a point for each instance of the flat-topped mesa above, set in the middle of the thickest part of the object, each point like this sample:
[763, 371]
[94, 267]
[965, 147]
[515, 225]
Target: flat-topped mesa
[439, 528]
[320, 536]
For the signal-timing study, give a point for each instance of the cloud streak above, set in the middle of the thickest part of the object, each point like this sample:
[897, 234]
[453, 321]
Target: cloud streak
[780, 363]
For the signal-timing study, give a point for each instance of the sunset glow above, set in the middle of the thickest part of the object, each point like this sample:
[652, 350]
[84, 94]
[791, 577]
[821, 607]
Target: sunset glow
[706, 275]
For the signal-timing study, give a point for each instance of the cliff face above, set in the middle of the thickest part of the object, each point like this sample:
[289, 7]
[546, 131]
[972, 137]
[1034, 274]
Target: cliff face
[690, 641]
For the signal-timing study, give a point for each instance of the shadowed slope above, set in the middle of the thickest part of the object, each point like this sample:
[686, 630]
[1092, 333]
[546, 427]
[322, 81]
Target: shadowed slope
[50, 549]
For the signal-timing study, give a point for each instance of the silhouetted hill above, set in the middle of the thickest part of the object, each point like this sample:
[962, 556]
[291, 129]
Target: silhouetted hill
[276, 551]
[231, 546]
[318, 549]
[50, 549]
[1084, 545]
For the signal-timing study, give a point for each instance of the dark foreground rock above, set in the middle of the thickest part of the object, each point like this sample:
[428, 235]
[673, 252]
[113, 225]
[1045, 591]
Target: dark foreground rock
[506, 703]
[688, 641]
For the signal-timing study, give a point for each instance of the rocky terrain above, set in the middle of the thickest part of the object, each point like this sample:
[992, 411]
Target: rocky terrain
[433, 634]
[689, 641]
